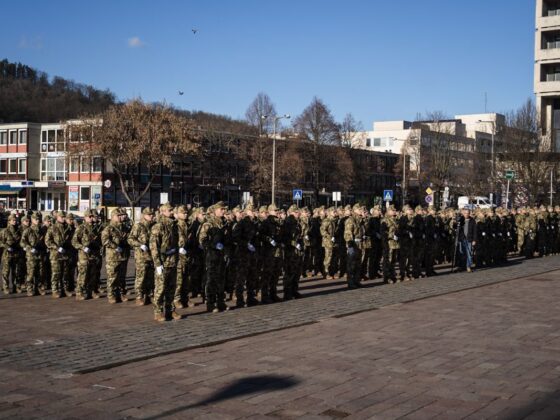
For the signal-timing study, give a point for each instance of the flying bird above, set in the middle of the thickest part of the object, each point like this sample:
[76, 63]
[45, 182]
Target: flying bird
[194, 31]
[181, 93]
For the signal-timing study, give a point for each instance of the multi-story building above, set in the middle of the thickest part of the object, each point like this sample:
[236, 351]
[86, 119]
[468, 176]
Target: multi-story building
[547, 68]
[36, 173]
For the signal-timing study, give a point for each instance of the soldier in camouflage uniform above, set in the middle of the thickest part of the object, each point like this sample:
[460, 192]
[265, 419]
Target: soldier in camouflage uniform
[87, 242]
[391, 246]
[139, 240]
[374, 269]
[114, 237]
[46, 275]
[431, 241]
[315, 242]
[211, 237]
[292, 242]
[195, 255]
[328, 229]
[33, 244]
[353, 236]
[25, 222]
[269, 233]
[59, 240]
[72, 255]
[244, 236]
[182, 288]
[126, 226]
[164, 245]
[340, 251]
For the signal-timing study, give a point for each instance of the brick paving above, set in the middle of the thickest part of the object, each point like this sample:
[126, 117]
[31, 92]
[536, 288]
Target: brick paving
[120, 341]
[485, 352]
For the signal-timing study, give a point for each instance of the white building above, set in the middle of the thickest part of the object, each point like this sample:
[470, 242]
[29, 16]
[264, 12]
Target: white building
[547, 68]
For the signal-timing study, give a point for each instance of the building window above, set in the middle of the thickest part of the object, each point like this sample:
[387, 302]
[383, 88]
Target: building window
[75, 164]
[53, 169]
[12, 166]
[84, 193]
[3, 166]
[52, 141]
[97, 164]
[85, 165]
[13, 137]
[22, 163]
[3, 138]
[23, 137]
[368, 142]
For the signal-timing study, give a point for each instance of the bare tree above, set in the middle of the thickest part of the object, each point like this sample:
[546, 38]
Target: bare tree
[137, 140]
[527, 151]
[351, 131]
[317, 124]
[261, 113]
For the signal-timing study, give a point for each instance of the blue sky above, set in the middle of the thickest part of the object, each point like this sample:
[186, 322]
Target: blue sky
[377, 59]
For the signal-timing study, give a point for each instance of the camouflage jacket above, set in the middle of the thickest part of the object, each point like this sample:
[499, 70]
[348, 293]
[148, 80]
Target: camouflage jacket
[164, 242]
[354, 232]
[114, 240]
[87, 236]
[11, 237]
[328, 228]
[138, 236]
[59, 235]
[33, 239]
[389, 232]
[211, 234]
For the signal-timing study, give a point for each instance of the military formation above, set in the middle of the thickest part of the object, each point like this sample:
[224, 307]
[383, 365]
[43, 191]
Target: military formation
[242, 254]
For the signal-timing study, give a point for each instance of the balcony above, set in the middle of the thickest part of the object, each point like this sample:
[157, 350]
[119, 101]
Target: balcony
[548, 22]
[548, 88]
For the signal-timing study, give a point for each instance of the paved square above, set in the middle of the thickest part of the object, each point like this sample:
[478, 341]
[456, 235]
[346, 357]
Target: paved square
[487, 352]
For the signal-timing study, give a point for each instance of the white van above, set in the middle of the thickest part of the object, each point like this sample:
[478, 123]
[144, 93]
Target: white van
[474, 203]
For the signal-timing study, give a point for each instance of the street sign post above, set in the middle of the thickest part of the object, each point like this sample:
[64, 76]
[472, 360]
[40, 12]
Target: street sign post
[297, 196]
[336, 197]
[429, 191]
[387, 195]
[429, 199]
[509, 176]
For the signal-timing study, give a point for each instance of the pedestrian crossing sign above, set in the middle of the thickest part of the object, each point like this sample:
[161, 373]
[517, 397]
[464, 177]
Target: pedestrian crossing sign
[298, 195]
[388, 195]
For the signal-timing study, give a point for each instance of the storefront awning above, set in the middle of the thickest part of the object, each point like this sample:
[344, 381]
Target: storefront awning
[6, 189]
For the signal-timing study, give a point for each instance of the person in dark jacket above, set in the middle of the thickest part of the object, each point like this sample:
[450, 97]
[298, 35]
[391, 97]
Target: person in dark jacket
[467, 238]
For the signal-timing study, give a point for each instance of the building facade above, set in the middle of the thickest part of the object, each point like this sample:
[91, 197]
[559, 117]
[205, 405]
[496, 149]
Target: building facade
[547, 68]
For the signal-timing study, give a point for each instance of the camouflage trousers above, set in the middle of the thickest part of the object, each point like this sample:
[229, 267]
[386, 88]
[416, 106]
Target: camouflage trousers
[164, 291]
[390, 259]
[293, 261]
[215, 280]
[144, 278]
[115, 279]
[11, 266]
[87, 270]
[182, 287]
[59, 274]
[70, 274]
[34, 273]
[327, 262]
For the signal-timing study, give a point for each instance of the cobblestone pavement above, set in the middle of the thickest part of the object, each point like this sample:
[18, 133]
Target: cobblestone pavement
[485, 352]
[123, 341]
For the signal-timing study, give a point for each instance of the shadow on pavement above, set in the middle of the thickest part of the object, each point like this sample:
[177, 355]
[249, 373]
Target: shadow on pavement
[242, 387]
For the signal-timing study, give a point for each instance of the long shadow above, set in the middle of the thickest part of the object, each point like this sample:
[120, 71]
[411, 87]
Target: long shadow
[239, 388]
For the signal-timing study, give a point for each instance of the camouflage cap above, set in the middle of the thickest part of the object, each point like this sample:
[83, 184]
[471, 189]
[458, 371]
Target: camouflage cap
[272, 207]
[236, 209]
[249, 207]
[263, 209]
[70, 216]
[89, 213]
[357, 206]
[166, 206]
[115, 212]
[148, 211]
[418, 208]
[293, 209]
[220, 205]
[181, 209]
[47, 218]
[122, 211]
[348, 207]
[61, 213]
[392, 208]
[36, 216]
[304, 210]
[12, 217]
[26, 219]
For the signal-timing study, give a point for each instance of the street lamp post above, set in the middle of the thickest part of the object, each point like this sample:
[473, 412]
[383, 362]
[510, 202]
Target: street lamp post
[276, 119]
[491, 154]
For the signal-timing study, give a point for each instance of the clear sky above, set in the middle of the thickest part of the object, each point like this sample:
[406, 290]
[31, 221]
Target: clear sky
[378, 59]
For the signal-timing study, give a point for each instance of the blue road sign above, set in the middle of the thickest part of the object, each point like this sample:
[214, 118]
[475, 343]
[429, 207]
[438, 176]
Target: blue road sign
[388, 195]
[298, 195]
